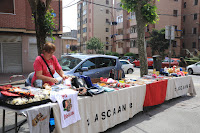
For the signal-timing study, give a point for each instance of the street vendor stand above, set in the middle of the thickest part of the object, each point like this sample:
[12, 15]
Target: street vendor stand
[103, 111]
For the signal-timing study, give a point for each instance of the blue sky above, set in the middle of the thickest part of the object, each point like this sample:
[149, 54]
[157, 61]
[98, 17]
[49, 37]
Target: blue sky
[69, 15]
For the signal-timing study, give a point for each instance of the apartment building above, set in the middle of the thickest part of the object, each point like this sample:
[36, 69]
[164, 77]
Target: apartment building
[18, 48]
[191, 26]
[94, 18]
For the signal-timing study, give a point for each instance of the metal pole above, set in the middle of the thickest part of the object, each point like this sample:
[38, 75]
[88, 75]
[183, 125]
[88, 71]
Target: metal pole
[170, 46]
[80, 25]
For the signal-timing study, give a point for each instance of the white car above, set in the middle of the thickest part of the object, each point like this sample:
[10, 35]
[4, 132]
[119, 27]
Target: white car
[127, 66]
[194, 68]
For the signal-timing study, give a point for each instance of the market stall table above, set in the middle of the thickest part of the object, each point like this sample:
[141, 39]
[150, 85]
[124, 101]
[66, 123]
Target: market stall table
[180, 86]
[103, 111]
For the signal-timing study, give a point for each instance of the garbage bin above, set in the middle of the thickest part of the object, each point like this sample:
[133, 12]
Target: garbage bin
[157, 63]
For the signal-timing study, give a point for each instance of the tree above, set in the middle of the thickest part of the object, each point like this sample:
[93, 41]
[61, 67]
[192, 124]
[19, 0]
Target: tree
[44, 21]
[157, 42]
[145, 11]
[95, 44]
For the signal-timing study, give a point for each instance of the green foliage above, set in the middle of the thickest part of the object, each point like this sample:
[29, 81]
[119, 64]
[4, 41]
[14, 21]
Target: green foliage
[108, 53]
[157, 41]
[49, 24]
[95, 44]
[148, 9]
[115, 54]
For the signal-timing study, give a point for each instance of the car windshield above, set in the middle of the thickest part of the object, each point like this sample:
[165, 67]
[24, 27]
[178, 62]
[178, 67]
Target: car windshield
[68, 62]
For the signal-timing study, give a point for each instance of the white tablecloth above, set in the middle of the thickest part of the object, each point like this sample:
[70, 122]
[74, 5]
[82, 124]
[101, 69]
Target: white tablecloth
[100, 112]
[180, 86]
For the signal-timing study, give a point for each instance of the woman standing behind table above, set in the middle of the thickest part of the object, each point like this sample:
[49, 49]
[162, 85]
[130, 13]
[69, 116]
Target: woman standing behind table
[41, 69]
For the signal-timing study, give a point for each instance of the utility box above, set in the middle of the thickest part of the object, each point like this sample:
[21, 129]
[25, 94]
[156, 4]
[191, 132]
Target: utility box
[157, 62]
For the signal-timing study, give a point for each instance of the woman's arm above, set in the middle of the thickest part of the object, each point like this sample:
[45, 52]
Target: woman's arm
[61, 73]
[45, 78]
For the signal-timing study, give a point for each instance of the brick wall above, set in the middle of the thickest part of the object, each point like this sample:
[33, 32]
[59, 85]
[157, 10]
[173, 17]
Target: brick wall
[22, 19]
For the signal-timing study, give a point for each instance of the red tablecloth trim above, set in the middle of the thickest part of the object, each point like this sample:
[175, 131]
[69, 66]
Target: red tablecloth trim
[155, 93]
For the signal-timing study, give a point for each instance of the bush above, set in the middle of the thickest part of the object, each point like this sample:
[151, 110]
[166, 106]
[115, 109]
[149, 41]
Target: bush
[115, 54]
[190, 61]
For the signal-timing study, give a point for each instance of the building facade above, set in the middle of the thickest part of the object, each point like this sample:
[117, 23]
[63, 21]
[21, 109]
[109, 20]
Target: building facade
[18, 48]
[191, 26]
[95, 20]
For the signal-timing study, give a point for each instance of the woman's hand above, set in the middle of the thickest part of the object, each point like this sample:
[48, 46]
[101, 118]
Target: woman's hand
[54, 80]
[65, 77]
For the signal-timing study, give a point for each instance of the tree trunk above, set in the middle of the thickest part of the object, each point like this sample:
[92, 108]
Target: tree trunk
[39, 26]
[140, 41]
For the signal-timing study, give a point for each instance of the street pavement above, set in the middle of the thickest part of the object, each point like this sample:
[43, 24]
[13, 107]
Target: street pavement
[180, 115]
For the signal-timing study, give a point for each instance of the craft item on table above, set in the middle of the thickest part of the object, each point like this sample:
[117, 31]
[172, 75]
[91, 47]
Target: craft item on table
[181, 73]
[47, 86]
[87, 81]
[106, 89]
[20, 91]
[82, 91]
[154, 75]
[68, 82]
[38, 119]
[5, 87]
[67, 100]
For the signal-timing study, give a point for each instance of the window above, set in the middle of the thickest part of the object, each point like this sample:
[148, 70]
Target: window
[107, 11]
[175, 27]
[90, 63]
[183, 45]
[195, 2]
[85, 21]
[84, 29]
[78, 23]
[107, 39]
[132, 43]
[107, 21]
[106, 47]
[107, 2]
[79, 15]
[193, 44]
[175, 0]
[183, 31]
[7, 6]
[105, 62]
[175, 13]
[147, 28]
[107, 29]
[194, 30]
[132, 15]
[133, 29]
[184, 18]
[195, 16]
[84, 12]
[84, 3]
[184, 5]
[174, 43]
[120, 19]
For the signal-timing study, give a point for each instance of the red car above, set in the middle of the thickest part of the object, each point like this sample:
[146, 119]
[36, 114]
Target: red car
[174, 61]
[149, 60]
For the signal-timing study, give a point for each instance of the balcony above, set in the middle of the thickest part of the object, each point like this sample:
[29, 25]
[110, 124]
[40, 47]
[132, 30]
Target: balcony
[119, 26]
[133, 22]
[119, 37]
[133, 35]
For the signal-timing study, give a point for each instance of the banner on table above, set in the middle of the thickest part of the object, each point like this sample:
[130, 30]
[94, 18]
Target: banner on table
[100, 112]
[180, 86]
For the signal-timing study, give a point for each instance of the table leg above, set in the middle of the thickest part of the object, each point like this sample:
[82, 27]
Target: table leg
[15, 122]
[3, 126]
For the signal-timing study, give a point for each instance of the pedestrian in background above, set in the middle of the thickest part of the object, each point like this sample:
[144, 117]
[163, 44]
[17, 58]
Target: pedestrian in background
[183, 63]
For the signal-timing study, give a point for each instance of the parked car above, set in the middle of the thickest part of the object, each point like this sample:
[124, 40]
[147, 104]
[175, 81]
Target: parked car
[149, 61]
[127, 66]
[194, 68]
[94, 66]
[174, 61]
[129, 58]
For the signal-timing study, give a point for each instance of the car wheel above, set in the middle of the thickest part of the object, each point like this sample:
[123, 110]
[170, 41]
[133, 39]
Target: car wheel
[129, 71]
[190, 71]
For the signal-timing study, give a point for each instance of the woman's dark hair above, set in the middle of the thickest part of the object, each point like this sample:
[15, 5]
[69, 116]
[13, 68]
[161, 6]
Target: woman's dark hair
[48, 47]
